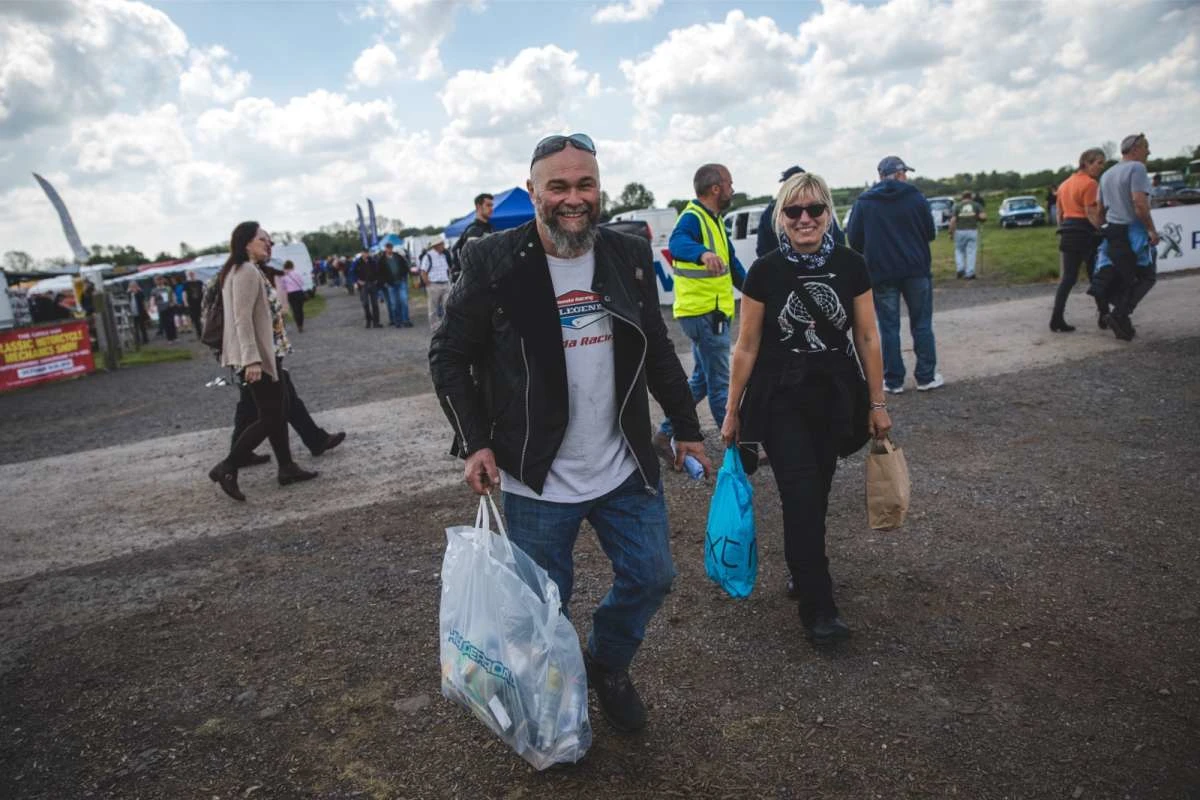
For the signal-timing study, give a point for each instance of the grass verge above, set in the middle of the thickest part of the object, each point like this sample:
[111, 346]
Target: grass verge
[1016, 255]
[155, 354]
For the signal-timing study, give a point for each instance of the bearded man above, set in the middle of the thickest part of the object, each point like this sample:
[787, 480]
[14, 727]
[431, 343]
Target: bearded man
[559, 321]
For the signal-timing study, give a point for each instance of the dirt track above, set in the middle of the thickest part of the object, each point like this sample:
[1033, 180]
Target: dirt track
[1032, 632]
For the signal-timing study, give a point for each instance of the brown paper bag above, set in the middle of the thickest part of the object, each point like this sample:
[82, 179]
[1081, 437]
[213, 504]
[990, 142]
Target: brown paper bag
[888, 487]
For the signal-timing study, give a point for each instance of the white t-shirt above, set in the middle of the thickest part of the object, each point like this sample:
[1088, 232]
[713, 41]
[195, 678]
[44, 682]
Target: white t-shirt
[593, 459]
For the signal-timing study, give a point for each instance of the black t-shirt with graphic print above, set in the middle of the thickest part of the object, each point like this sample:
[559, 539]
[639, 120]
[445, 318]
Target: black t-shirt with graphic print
[788, 331]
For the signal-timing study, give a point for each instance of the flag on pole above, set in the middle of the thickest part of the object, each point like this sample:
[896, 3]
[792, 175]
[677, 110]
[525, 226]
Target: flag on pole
[362, 228]
[81, 253]
[374, 230]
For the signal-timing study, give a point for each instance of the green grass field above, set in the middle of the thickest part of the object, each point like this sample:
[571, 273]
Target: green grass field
[155, 354]
[1016, 255]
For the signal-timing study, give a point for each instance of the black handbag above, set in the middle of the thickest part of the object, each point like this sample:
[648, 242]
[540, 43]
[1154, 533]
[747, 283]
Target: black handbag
[859, 433]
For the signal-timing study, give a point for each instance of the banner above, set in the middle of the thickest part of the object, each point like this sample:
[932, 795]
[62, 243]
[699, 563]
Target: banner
[37, 355]
[362, 228]
[1179, 237]
[374, 230]
[81, 253]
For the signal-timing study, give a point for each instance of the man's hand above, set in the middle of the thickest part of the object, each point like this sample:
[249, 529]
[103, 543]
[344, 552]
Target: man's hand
[696, 450]
[481, 472]
[1154, 238]
[254, 372]
[714, 263]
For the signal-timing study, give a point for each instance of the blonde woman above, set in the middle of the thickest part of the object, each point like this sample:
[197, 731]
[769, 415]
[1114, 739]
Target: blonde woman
[807, 343]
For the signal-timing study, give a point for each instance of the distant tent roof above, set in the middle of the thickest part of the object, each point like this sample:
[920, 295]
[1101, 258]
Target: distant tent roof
[390, 238]
[512, 208]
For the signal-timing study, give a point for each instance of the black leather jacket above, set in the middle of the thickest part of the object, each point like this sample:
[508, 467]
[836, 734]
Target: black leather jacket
[502, 325]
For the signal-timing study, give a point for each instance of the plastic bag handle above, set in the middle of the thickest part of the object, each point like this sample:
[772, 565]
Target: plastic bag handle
[483, 518]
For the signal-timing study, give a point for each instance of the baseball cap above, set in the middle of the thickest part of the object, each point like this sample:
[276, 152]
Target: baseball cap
[795, 169]
[892, 165]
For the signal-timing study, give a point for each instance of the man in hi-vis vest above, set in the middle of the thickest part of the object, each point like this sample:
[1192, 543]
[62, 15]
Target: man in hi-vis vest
[706, 270]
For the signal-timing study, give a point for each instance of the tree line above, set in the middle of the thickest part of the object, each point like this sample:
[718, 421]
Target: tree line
[342, 238]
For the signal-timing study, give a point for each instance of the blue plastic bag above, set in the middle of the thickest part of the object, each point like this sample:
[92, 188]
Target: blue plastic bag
[730, 547]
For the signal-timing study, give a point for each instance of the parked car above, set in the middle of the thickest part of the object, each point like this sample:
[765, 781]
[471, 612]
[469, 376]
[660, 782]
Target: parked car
[941, 207]
[636, 227]
[1021, 212]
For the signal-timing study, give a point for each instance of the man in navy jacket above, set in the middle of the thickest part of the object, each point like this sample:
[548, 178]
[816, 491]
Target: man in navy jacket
[891, 225]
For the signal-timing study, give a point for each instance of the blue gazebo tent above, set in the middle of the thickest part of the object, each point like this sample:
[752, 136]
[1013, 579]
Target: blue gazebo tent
[512, 208]
[395, 241]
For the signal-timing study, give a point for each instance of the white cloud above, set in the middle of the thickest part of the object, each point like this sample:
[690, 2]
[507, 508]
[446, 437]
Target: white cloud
[629, 11]
[62, 60]
[152, 138]
[320, 121]
[209, 78]
[715, 64]
[538, 86]
[374, 65]
[419, 27]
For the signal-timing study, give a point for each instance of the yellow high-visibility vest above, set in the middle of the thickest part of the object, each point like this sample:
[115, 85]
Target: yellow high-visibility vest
[697, 291]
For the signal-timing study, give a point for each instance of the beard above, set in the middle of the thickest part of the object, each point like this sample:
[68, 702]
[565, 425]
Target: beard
[569, 244]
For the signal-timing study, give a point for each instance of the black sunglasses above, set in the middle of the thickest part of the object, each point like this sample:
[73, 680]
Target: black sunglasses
[815, 210]
[557, 143]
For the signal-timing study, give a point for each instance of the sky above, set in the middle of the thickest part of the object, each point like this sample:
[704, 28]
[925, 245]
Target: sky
[168, 122]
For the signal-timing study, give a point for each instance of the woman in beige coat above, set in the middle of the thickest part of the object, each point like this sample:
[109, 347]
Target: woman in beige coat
[254, 344]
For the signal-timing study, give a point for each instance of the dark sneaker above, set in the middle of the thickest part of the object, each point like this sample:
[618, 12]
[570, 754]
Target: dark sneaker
[254, 460]
[618, 699]
[1102, 320]
[826, 630]
[1121, 326]
[294, 473]
[331, 441]
[662, 446]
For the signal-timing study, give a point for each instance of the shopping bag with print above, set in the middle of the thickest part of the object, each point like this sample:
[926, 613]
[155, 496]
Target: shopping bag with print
[888, 486]
[730, 547]
[507, 653]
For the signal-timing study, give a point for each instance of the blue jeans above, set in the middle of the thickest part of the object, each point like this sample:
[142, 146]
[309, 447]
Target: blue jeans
[631, 525]
[965, 245]
[710, 376]
[918, 296]
[397, 302]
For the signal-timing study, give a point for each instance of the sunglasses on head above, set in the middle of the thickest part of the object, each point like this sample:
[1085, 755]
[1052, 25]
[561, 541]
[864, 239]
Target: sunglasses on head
[557, 143]
[815, 210]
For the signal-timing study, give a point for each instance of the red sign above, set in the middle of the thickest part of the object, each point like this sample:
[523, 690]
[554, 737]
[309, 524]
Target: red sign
[36, 355]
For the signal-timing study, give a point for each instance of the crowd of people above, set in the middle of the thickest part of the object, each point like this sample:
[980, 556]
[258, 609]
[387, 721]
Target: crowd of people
[548, 340]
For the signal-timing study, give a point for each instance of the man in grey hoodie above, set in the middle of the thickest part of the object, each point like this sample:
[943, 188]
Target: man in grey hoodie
[892, 226]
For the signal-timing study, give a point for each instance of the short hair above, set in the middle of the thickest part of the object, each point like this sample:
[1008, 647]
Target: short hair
[707, 176]
[479, 198]
[289, 265]
[1131, 141]
[803, 183]
[1090, 155]
[386, 245]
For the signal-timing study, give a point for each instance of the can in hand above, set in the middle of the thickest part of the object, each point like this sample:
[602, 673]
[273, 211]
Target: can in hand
[691, 465]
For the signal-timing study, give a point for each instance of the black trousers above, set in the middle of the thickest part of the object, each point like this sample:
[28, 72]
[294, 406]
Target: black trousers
[140, 329]
[166, 320]
[1069, 262]
[298, 417]
[369, 295]
[296, 301]
[197, 323]
[270, 398]
[1116, 284]
[803, 453]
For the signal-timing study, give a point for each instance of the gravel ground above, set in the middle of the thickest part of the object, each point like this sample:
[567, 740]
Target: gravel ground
[336, 363]
[1032, 631]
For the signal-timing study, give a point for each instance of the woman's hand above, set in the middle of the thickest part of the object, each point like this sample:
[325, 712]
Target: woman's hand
[253, 373]
[878, 423]
[731, 428]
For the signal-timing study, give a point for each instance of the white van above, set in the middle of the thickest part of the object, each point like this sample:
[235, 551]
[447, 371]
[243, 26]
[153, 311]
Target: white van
[661, 222]
[742, 227]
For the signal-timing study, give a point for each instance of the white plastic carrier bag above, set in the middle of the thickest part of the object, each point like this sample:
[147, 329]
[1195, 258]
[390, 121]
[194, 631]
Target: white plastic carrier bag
[508, 654]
